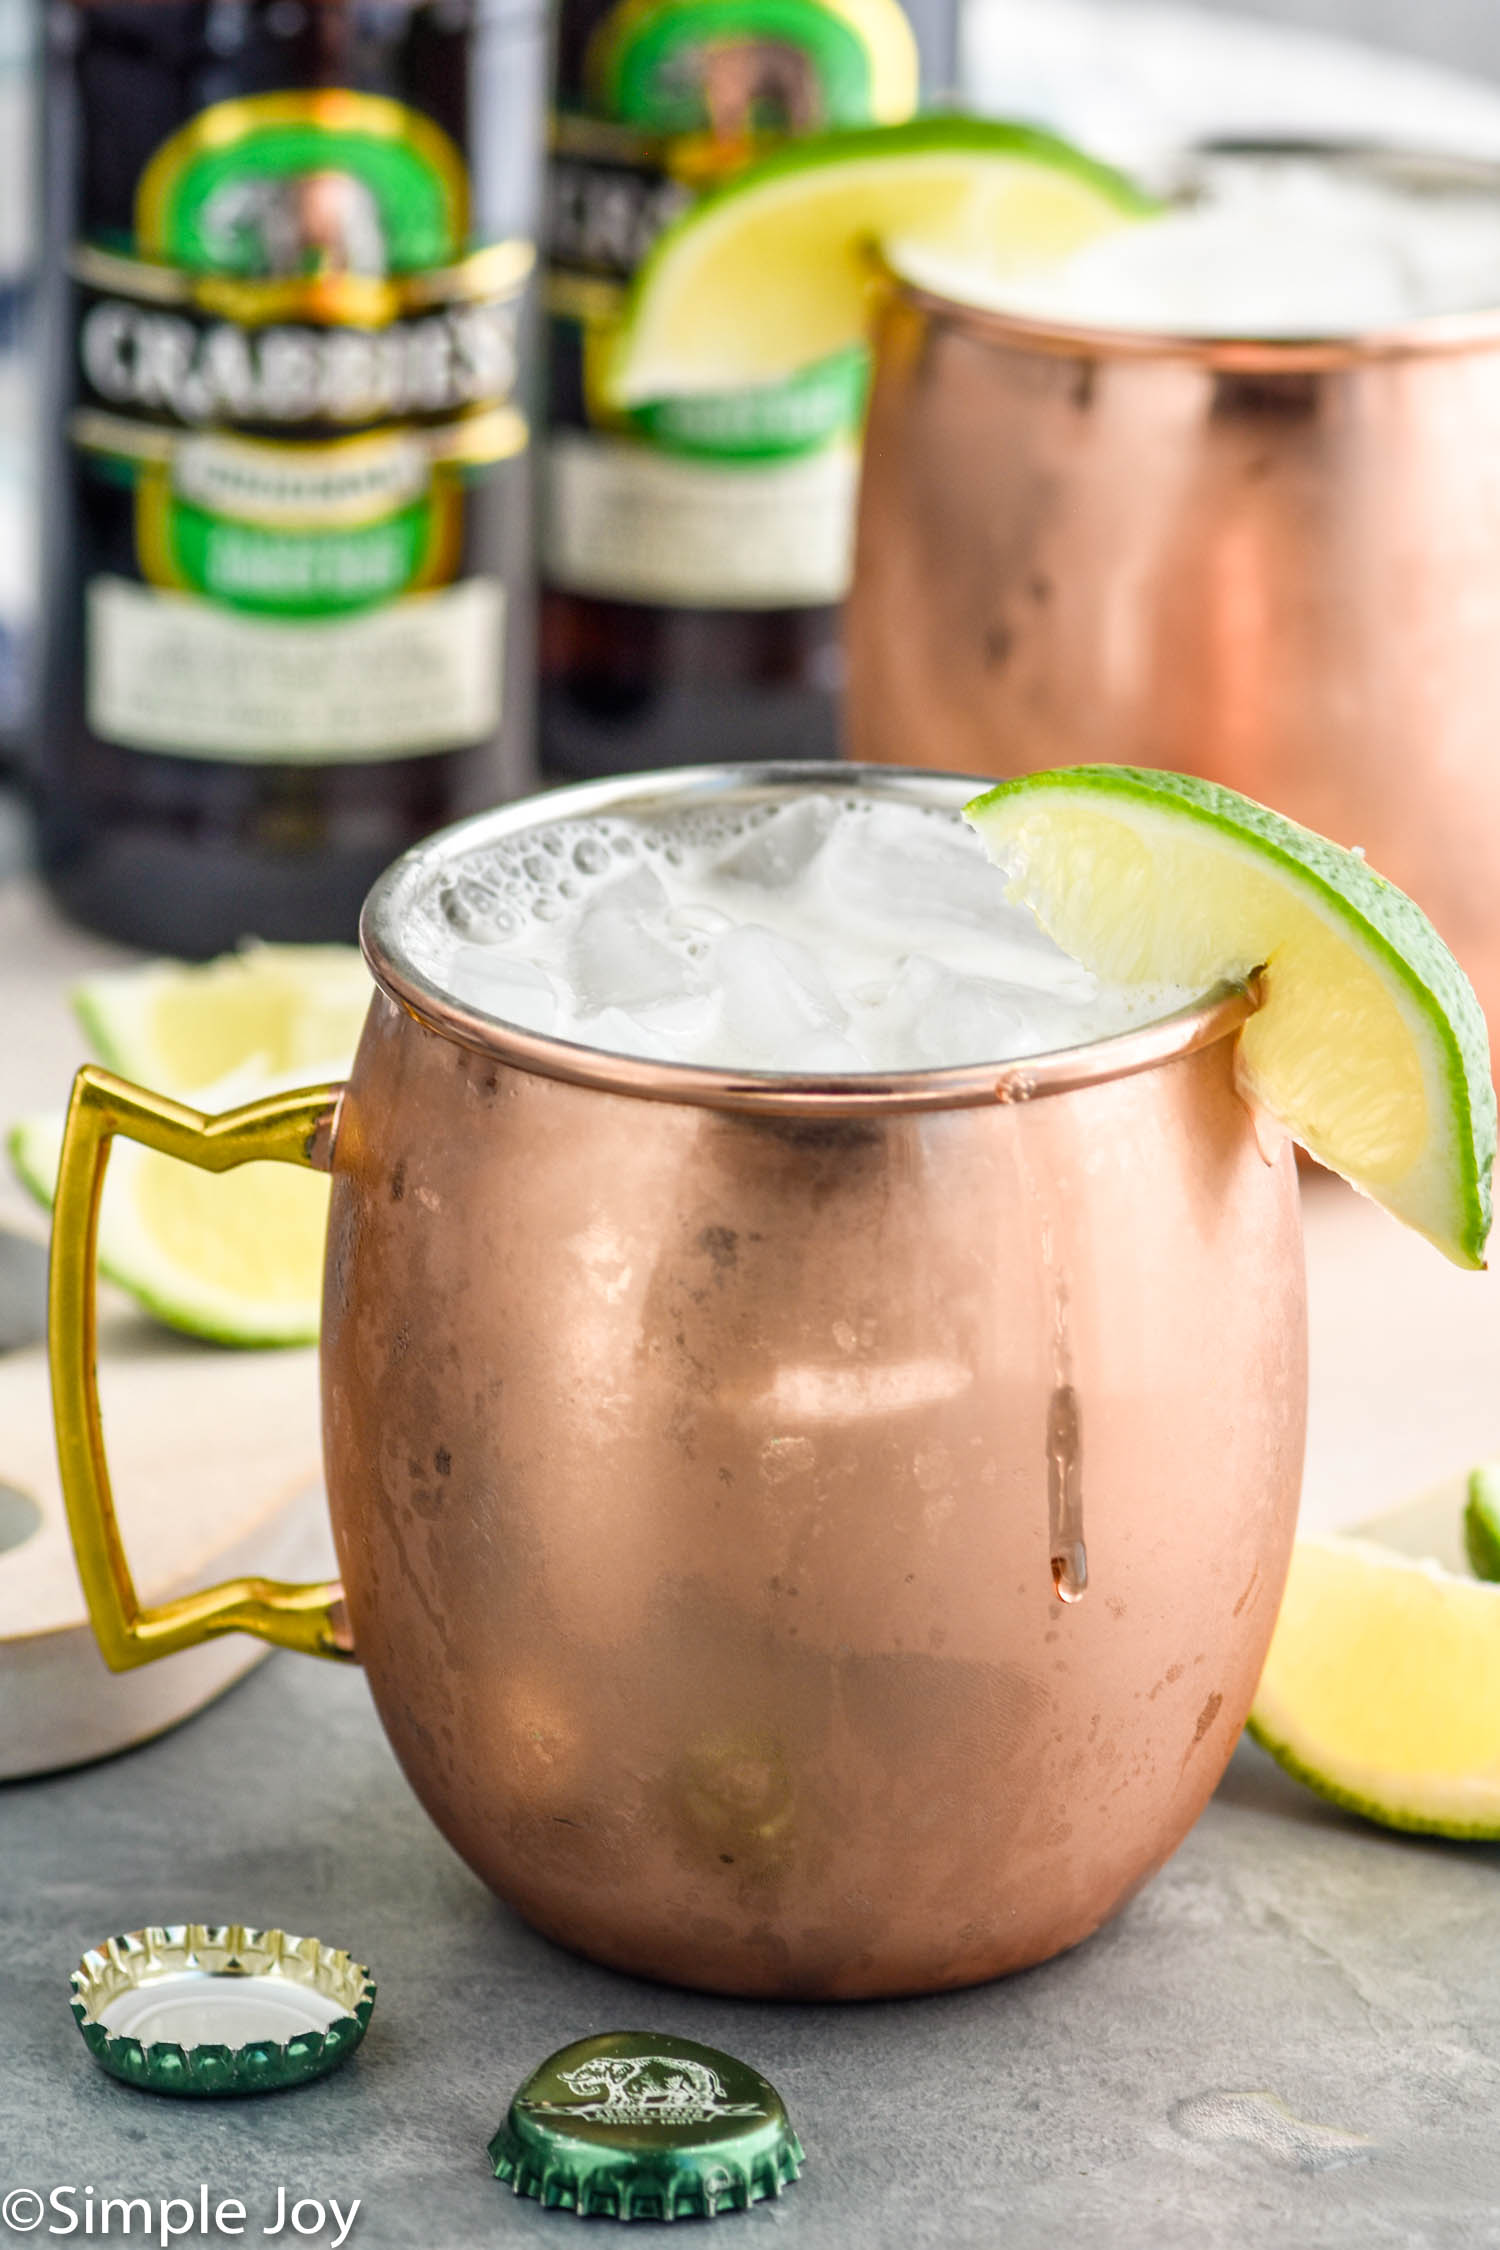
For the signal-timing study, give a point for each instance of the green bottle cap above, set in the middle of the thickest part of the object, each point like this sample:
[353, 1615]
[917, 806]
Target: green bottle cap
[219, 2008]
[636, 2125]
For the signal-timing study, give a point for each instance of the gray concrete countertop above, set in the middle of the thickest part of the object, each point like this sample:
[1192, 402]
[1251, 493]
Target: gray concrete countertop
[1290, 2039]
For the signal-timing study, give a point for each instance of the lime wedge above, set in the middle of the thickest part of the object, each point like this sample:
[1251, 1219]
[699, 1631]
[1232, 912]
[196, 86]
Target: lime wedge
[1369, 1047]
[235, 1257]
[771, 273]
[1382, 1688]
[1482, 1521]
[278, 1008]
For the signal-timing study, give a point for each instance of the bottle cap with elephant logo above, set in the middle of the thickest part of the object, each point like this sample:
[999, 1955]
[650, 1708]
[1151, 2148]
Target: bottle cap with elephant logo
[638, 2125]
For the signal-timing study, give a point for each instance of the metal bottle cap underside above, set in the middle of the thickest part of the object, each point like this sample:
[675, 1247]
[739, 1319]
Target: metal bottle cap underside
[203, 2008]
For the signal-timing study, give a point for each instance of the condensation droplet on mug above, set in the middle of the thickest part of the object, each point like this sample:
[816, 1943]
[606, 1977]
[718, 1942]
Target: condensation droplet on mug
[1070, 1573]
[1070, 1563]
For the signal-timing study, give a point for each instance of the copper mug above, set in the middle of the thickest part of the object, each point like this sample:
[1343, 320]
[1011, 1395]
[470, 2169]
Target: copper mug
[1273, 564]
[705, 1450]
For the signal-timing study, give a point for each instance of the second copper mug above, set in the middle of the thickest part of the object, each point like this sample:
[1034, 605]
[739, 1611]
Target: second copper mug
[1273, 564]
[705, 1450]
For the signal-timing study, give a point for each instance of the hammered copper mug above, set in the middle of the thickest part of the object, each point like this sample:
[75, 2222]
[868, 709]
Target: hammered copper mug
[706, 1450]
[1273, 564]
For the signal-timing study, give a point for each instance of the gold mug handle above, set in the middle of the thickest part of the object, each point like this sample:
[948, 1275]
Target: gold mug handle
[295, 1128]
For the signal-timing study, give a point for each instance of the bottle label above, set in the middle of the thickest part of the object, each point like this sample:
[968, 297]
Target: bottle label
[301, 365]
[743, 500]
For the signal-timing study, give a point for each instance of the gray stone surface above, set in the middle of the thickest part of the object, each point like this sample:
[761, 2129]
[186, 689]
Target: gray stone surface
[1291, 2039]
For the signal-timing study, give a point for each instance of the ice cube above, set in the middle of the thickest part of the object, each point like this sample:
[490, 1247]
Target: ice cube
[932, 1017]
[495, 982]
[616, 1032]
[777, 1010]
[932, 881]
[676, 1030]
[778, 851]
[617, 955]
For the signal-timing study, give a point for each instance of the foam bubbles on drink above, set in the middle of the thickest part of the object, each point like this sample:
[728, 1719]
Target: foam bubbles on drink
[815, 936]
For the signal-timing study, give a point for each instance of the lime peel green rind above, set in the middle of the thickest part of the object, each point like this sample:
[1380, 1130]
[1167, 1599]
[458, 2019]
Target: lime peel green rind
[1410, 1821]
[1482, 1521]
[1380, 923]
[973, 146]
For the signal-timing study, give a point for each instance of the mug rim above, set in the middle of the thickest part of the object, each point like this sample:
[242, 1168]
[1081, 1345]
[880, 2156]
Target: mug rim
[1428, 335]
[844, 1094]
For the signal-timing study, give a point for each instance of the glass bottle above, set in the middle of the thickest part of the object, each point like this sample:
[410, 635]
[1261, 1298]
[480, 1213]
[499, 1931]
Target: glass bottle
[694, 554]
[286, 618]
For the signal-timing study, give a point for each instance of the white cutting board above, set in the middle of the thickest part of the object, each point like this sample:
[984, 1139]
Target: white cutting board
[214, 1453]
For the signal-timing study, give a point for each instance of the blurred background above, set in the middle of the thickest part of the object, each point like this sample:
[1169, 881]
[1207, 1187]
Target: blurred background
[1126, 79]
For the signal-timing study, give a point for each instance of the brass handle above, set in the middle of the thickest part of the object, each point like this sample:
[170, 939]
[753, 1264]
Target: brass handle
[294, 1128]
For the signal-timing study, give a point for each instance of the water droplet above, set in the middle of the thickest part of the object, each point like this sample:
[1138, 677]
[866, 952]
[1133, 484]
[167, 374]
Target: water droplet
[1070, 1566]
[1070, 1573]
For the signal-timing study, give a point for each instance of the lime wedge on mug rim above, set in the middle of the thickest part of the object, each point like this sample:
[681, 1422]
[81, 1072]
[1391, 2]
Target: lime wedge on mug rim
[1369, 1047]
[771, 273]
[1382, 1688]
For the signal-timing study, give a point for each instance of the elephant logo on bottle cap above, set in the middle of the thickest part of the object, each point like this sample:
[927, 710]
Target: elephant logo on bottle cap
[645, 2090]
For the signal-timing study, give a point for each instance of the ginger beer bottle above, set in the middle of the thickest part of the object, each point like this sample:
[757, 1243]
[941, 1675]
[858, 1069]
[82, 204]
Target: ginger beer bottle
[290, 244]
[694, 553]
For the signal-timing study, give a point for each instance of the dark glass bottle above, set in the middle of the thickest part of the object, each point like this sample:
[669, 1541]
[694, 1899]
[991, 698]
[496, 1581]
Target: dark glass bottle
[694, 555]
[287, 626]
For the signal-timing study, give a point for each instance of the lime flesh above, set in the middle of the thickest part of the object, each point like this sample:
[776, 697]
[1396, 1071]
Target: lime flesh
[276, 1008]
[234, 1257]
[1382, 1688]
[1369, 1047]
[772, 272]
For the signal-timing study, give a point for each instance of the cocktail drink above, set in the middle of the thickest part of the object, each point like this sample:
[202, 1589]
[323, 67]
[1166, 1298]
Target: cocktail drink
[1208, 486]
[813, 1377]
[812, 1446]
[1217, 493]
[812, 931]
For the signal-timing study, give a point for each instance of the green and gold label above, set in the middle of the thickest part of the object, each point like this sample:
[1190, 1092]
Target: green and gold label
[299, 359]
[327, 188]
[673, 97]
[725, 74]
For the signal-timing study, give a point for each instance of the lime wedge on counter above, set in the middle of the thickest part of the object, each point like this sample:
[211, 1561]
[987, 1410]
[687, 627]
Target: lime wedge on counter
[771, 272]
[1369, 1047]
[1482, 1521]
[1382, 1688]
[235, 1257]
[279, 1008]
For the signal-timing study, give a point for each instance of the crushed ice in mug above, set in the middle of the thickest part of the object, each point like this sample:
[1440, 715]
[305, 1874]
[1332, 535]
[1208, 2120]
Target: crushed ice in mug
[816, 935]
